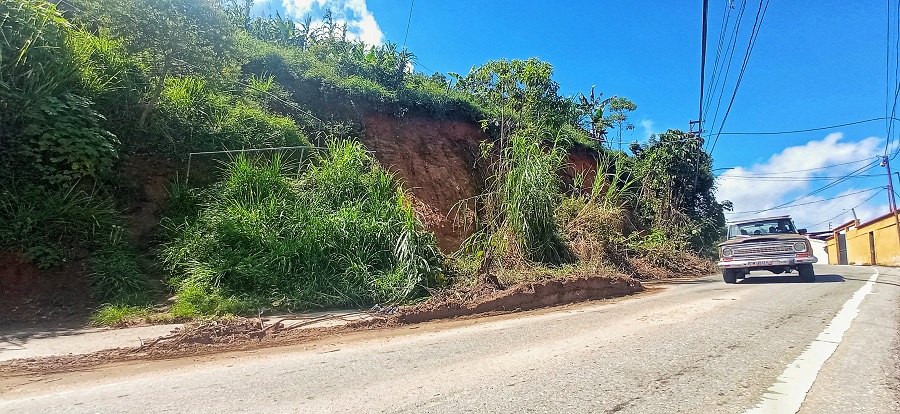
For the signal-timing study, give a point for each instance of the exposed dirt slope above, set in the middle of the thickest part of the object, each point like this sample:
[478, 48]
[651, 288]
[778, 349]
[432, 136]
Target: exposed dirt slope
[438, 161]
[47, 296]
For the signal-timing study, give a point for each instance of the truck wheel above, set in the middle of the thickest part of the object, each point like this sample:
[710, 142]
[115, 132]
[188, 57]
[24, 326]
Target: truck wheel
[729, 275]
[807, 274]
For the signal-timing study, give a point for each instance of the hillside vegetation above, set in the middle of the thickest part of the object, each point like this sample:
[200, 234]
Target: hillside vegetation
[88, 86]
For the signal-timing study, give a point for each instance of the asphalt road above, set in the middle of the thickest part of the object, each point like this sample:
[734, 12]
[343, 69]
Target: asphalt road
[769, 344]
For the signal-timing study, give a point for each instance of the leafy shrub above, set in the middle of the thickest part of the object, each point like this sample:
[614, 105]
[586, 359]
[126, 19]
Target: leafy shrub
[63, 141]
[340, 235]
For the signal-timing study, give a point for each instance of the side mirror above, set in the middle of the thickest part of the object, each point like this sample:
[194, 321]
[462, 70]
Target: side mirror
[801, 231]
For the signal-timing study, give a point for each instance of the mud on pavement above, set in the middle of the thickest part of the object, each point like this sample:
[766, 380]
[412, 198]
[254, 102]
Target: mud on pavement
[239, 334]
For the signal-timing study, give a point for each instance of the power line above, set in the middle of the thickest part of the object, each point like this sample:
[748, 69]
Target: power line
[805, 170]
[811, 202]
[790, 179]
[893, 108]
[848, 209]
[727, 68]
[798, 131]
[702, 64]
[408, 22]
[823, 188]
[726, 17]
[754, 35]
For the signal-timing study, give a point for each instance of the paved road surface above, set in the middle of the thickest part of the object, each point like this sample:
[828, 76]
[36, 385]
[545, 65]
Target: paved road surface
[695, 347]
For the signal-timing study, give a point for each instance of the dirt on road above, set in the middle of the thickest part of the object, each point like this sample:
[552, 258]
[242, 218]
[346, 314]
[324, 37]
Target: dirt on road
[239, 334]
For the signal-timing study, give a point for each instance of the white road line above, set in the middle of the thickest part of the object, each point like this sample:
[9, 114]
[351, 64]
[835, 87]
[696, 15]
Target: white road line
[788, 393]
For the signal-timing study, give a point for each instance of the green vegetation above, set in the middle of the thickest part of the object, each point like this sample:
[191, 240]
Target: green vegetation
[89, 86]
[339, 235]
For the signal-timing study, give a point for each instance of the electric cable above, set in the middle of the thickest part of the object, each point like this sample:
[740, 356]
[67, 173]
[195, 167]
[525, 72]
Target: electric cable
[408, 22]
[754, 35]
[848, 209]
[727, 68]
[810, 202]
[726, 17]
[790, 179]
[798, 131]
[823, 188]
[807, 169]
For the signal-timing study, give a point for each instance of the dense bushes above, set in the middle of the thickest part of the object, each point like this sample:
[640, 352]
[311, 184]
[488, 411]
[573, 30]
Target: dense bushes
[194, 116]
[341, 234]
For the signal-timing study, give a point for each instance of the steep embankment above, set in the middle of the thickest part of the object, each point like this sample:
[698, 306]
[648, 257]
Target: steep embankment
[437, 161]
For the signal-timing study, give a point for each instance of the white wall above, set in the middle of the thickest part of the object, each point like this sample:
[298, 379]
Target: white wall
[818, 250]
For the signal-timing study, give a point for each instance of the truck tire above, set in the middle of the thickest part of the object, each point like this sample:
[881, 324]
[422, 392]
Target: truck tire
[807, 274]
[729, 275]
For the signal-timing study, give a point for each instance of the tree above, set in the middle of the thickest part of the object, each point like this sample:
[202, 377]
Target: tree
[678, 190]
[593, 118]
[187, 36]
[522, 93]
[619, 107]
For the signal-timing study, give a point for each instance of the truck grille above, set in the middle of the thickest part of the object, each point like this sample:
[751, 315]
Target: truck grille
[762, 249]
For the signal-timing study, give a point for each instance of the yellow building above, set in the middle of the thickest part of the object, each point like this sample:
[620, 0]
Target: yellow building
[873, 242]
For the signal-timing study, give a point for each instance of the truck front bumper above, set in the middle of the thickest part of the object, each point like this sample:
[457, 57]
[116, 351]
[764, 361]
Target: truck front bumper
[768, 262]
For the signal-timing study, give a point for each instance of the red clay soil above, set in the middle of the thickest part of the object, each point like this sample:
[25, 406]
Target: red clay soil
[151, 175]
[581, 160]
[47, 296]
[244, 334]
[437, 161]
[523, 296]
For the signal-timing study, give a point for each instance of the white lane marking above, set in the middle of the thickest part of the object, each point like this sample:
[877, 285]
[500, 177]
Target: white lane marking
[789, 391]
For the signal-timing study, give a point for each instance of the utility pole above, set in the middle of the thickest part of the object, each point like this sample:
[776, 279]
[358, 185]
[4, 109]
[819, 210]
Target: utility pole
[892, 201]
[699, 120]
[886, 162]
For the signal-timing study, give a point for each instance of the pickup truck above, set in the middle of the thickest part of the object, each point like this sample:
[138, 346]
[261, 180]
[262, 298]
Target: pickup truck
[771, 243]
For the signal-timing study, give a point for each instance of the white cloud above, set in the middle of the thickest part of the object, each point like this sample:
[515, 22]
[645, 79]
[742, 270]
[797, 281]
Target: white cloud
[767, 185]
[361, 23]
[649, 129]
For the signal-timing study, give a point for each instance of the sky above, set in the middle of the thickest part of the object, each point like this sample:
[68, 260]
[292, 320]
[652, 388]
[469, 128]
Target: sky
[814, 64]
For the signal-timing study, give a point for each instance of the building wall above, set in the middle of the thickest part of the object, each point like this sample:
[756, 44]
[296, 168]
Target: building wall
[819, 250]
[880, 233]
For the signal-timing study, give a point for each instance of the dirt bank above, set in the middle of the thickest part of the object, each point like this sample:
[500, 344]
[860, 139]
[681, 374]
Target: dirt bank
[53, 296]
[437, 161]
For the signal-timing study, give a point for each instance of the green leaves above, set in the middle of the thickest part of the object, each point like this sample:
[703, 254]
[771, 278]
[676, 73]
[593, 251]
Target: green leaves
[63, 141]
[341, 234]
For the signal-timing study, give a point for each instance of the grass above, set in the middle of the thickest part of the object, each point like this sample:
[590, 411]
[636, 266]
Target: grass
[340, 235]
[118, 315]
[47, 223]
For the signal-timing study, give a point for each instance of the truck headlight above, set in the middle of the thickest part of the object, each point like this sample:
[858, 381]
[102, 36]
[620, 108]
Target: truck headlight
[727, 252]
[799, 247]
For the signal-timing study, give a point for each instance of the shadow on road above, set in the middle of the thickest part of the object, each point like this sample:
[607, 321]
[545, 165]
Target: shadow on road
[879, 281]
[680, 281]
[759, 280]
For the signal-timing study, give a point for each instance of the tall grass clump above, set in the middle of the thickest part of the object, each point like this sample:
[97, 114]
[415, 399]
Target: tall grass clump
[339, 235]
[515, 216]
[530, 195]
[596, 223]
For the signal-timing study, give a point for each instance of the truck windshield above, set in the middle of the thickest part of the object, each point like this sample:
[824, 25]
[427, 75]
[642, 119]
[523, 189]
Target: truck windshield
[762, 227]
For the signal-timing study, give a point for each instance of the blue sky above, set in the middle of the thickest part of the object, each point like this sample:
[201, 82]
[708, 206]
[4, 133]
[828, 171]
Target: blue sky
[814, 64]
